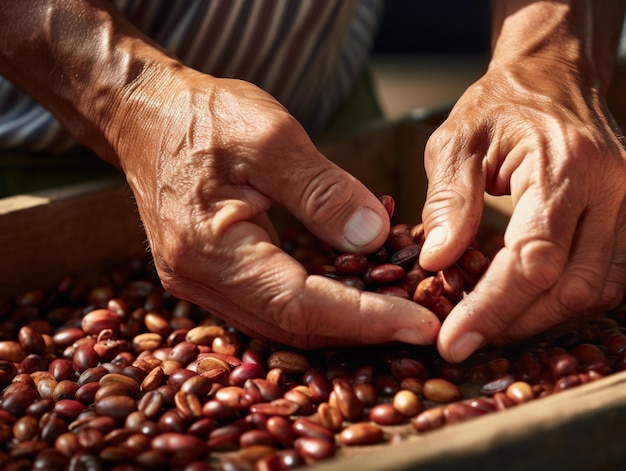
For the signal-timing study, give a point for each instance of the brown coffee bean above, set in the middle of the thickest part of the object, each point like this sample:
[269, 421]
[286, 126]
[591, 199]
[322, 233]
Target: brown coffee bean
[280, 428]
[347, 401]
[277, 376]
[264, 389]
[65, 337]
[204, 334]
[461, 412]
[304, 427]
[25, 428]
[98, 320]
[429, 291]
[385, 414]
[281, 407]
[92, 375]
[314, 449]
[389, 203]
[412, 384]
[151, 403]
[429, 419]
[405, 367]
[147, 342]
[51, 426]
[219, 411]
[441, 390]
[407, 403]
[256, 437]
[473, 263]
[453, 283]
[329, 416]
[226, 437]
[366, 393]
[520, 392]
[67, 443]
[157, 324]
[301, 396]
[31, 340]
[117, 407]
[406, 256]
[240, 374]
[399, 237]
[291, 362]
[117, 378]
[68, 408]
[188, 405]
[153, 379]
[385, 274]
[12, 351]
[350, 263]
[362, 433]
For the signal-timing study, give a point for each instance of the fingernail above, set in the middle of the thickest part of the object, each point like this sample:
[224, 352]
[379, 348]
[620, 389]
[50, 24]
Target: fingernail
[363, 227]
[466, 345]
[436, 238]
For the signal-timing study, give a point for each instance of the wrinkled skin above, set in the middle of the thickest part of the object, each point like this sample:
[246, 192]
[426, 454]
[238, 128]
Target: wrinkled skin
[206, 158]
[203, 190]
[535, 127]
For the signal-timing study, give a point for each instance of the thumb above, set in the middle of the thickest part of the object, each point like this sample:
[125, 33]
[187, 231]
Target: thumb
[335, 206]
[454, 201]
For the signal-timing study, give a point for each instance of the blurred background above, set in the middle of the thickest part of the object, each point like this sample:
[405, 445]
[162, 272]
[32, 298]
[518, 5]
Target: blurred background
[428, 52]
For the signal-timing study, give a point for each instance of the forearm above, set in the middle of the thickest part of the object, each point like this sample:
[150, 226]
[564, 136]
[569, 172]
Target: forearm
[579, 34]
[81, 60]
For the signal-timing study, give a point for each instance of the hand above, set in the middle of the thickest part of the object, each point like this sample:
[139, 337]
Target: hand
[206, 158]
[534, 129]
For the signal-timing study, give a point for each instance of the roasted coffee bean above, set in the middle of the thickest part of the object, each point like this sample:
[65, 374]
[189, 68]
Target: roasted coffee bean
[386, 274]
[350, 264]
[289, 361]
[441, 390]
[99, 319]
[304, 427]
[314, 449]
[430, 419]
[360, 434]
[117, 407]
[386, 414]
[406, 256]
[407, 403]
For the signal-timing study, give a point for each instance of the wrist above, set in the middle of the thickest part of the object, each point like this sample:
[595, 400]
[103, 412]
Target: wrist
[576, 37]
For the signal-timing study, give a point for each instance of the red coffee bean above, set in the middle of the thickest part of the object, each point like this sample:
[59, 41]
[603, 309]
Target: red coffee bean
[360, 434]
[385, 414]
[386, 273]
[350, 263]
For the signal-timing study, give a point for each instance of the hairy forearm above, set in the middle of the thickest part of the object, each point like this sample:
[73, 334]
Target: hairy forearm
[582, 34]
[78, 58]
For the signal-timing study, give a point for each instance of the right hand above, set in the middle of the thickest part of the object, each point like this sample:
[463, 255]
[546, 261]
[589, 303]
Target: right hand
[206, 158]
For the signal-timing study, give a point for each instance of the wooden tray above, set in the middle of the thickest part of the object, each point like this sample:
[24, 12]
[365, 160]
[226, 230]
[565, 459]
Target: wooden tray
[86, 228]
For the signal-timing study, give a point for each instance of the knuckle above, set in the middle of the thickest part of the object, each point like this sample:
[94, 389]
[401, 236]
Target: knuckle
[612, 296]
[541, 263]
[324, 197]
[580, 292]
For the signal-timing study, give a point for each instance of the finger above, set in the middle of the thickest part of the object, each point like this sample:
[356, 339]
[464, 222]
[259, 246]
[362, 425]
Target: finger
[534, 257]
[592, 283]
[263, 291]
[335, 206]
[454, 201]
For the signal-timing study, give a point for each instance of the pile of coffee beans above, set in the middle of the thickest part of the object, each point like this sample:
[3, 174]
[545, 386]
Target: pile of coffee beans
[120, 375]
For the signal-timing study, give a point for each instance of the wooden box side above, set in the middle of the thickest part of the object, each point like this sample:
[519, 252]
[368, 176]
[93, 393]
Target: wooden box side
[80, 229]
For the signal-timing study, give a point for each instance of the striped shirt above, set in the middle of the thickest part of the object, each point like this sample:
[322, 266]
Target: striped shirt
[306, 53]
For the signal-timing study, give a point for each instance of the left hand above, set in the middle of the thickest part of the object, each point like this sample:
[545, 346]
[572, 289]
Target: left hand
[529, 128]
